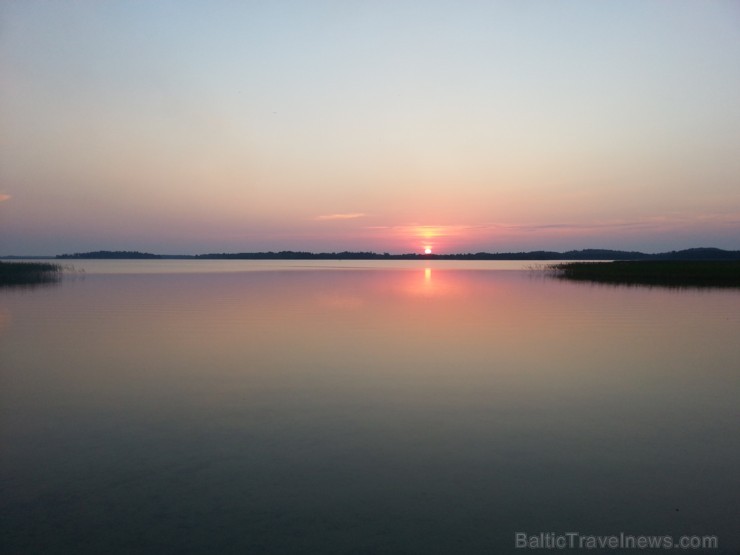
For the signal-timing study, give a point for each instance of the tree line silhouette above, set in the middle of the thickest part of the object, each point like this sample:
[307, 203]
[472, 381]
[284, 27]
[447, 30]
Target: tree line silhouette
[584, 254]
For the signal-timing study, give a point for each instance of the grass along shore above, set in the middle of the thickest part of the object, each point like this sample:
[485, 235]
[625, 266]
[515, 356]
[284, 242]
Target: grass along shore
[29, 273]
[676, 273]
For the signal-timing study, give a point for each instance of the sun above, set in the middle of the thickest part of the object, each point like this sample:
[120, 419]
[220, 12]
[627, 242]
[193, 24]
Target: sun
[427, 250]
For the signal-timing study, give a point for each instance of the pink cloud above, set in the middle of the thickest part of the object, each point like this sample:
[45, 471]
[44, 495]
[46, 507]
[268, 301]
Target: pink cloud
[350, 216]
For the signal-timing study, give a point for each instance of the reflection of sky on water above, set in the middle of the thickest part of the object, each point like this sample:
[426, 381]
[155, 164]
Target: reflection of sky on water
[4, 320]
[440, 409]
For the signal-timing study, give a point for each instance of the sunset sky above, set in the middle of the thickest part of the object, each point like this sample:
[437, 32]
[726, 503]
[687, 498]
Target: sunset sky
[225, 126]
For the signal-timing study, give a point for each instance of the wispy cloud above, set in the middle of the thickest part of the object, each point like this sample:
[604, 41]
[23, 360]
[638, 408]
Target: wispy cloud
[4, 197]
[350, 216]
[666, 221]
[657, 222]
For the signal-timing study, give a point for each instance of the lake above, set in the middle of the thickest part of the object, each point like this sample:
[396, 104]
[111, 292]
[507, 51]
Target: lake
[154, 407]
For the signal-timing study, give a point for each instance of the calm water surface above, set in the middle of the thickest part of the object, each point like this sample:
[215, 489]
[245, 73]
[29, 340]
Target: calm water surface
[361, 407]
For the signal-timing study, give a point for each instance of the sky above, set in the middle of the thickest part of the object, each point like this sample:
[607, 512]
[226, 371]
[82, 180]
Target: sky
[188, 127]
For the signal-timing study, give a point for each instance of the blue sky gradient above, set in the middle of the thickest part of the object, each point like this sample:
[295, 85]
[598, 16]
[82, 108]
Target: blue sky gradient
[187, 127]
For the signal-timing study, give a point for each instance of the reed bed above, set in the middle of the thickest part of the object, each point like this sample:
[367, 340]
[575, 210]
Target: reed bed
[29, 273]
[694, 273]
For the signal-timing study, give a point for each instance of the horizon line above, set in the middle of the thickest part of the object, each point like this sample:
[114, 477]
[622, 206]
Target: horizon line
[132, 254]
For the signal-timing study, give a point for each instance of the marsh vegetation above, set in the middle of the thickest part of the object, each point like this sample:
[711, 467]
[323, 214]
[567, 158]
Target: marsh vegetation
[677, 273]
[29, 273]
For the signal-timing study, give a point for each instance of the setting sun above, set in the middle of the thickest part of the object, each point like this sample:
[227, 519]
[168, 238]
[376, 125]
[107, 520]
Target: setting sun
[427, 250]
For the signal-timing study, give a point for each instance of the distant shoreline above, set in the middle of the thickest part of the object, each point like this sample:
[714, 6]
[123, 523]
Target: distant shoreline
[585, 254]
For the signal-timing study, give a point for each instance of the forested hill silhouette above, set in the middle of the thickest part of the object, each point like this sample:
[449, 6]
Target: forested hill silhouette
[127, 255]
[585, 254]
